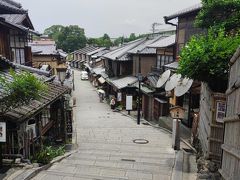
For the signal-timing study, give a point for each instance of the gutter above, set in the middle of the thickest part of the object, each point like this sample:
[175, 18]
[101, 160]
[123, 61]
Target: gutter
[166, 20]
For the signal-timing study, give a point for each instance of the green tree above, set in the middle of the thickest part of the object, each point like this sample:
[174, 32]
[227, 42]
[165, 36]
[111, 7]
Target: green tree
[71, 38]
[132, 37]
[104, 41]
[205, 58]
[118, 41]
[68, 38]
[23, 88]
[220, 14]
[54, 31]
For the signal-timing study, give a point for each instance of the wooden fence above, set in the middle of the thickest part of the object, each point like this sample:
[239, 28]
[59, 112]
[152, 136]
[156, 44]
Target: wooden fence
[210, 130]
[230, 169]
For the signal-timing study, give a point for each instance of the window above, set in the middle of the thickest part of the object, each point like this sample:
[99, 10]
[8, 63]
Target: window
[18, 55]
[163, 59]
[45, 116]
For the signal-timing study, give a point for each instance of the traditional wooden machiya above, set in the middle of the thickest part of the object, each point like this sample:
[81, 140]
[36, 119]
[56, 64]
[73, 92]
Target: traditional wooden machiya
[231, 147]
[211, 129]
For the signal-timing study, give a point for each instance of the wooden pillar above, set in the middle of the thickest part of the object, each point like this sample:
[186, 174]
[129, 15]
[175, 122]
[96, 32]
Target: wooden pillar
[63, 120]
[39, 127]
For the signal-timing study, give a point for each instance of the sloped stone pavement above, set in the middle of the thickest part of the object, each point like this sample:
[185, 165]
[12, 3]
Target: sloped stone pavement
[105, 145]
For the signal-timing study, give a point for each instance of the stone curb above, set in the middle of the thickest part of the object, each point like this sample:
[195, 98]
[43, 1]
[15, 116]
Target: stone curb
[29, 174]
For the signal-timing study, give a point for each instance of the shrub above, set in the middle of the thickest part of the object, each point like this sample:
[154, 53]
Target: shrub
[205, 58]
[23, 88]
[47, 153]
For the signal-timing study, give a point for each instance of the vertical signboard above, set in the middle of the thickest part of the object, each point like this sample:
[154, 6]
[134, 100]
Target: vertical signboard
[129, 102]
[119, 96]
[220, 111]
[2, 131]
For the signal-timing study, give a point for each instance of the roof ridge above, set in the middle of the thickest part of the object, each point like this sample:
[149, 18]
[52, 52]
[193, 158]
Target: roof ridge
[190, 9]
[14, 3]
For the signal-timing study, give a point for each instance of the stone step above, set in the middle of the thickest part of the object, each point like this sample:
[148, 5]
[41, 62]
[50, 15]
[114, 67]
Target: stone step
[123, 166]
[120, 155]
[126, 160]
[126, 152]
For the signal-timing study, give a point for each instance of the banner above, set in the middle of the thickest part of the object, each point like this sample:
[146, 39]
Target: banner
[2, 131]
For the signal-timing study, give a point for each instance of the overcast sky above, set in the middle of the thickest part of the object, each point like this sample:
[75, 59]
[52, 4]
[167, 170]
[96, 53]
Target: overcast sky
[114, 17]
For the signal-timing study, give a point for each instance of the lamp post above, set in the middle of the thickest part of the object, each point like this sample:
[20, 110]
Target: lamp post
[61, 72]
[139, 91]
[139, 86]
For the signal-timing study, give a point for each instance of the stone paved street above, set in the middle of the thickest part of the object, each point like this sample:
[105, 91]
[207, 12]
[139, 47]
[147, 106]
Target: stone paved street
[105, 145]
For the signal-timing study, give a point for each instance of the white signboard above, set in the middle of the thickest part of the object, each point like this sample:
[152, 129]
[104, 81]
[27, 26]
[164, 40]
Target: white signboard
[119, 96]
[221, 111]
[128, 103]
[2, 131]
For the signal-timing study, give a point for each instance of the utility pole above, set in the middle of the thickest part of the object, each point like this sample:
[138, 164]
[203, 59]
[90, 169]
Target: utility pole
[154, 26]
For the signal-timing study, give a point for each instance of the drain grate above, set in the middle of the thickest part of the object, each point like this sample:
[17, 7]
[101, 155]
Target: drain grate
[140, 141]
[130, 160]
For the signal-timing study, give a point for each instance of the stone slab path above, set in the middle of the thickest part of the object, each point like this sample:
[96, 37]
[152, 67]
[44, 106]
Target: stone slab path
[106, 150]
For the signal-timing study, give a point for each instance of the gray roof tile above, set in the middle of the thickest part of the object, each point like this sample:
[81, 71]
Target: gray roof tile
[121, 83]
[164, 42]
[121, 52]
[12, 6]
[191, 9]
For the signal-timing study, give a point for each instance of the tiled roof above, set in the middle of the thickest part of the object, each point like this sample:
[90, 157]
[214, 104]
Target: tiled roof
[98, 70]
[120, 53]
[144, 88]
[19, 27]
[14, 18]
[43, 49]
[100, 53]
[191, 9]
[173, 65]
[86, 49]
[7, 63]
[121, 83]
[141, 48]
[53, 92]
[12, 6]
[164, 42]
[96, 51]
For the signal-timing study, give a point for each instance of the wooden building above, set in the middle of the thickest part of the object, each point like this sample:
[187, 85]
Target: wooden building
[16, 31]
[207, 126]
[118, 68]
[230, 168]
[185, 28]
[46, 117]
[29, 125]
[45, 52]
[210, 127]
[149, 61]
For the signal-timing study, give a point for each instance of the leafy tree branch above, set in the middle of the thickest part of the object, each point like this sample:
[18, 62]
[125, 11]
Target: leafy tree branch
[23, 88]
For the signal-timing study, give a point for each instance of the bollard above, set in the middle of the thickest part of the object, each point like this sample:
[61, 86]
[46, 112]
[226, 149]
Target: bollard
[176, 134]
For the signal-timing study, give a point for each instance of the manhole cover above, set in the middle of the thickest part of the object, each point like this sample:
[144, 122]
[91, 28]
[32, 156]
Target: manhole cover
[140, 141]
[188, 150]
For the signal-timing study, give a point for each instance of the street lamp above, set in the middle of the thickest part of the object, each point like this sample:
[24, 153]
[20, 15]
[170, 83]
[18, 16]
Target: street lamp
[61, 72]
[139, 91]
[139, 86]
